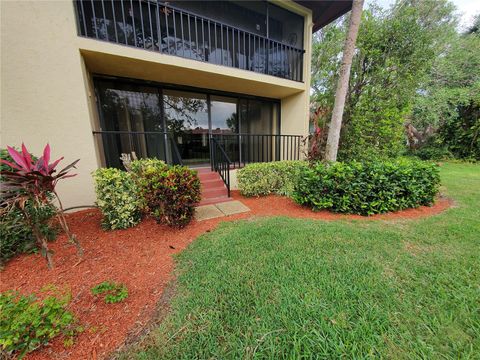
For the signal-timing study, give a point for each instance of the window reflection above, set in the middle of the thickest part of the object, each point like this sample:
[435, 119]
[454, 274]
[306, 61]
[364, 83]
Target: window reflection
[186, 116]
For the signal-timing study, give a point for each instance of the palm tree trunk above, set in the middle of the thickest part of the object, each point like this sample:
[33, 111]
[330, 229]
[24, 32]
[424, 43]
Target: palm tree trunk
[343, 79]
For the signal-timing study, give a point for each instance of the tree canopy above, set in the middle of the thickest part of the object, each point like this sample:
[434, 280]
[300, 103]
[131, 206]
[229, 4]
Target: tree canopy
[410, 66]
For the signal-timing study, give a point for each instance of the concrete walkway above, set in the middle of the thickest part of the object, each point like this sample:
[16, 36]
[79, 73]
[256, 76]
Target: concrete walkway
[212, 211]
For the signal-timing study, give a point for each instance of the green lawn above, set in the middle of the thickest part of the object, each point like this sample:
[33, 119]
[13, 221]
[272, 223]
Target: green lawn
[281, 288]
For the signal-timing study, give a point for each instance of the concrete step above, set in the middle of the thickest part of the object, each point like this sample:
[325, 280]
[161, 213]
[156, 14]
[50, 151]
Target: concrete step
[211, 193]
[212, 186]
[203, 170]
[215, 200]
[209, 184]
[208, 176]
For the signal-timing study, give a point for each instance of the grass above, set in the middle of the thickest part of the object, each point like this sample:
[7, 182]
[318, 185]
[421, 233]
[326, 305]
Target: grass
[281, 288]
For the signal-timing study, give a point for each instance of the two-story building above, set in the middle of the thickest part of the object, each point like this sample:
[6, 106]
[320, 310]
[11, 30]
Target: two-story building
[190, 82]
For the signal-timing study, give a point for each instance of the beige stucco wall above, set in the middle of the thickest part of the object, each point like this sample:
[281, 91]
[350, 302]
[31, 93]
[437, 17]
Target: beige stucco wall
[47, 95]
[43, 95]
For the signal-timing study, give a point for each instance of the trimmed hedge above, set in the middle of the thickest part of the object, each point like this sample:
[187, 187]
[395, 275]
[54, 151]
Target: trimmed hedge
[261, 179]
[168, 193]
[117, 198]
[368, 188]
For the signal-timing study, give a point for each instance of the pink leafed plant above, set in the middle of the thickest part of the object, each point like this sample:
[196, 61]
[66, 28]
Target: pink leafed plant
[34, 180]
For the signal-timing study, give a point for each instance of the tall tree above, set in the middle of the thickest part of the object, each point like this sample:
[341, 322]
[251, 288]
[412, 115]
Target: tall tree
[395, 49]
[342, 87]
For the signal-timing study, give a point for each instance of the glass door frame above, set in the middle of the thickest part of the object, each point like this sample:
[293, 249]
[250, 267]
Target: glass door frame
[160, 87]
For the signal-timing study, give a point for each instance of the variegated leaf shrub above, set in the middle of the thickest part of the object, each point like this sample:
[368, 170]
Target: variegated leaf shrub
[117, 198]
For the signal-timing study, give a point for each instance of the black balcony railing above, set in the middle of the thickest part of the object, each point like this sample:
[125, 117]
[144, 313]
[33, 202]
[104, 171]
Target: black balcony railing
[238, 149]
[140, 144]
[157, 26]
[249, 148]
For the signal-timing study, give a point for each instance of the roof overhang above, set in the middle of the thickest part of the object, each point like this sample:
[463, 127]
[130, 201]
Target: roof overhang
[325, 11]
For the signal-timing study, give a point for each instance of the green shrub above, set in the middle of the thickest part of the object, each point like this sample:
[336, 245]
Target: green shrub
[434, 149]
[113, 292]
[138, 166]
[278, 177]
[368, 188]
[16, 235]
[117, 198]
[27, 323]
[168, 193]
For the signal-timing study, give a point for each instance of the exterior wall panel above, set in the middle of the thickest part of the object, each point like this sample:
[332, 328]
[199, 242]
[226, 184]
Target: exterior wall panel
[47, 93]
[43, 89]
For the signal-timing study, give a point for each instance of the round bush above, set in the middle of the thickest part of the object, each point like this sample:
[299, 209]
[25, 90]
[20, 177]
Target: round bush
[368, 188]
[261, 179]
[117, 198]
[168, 193]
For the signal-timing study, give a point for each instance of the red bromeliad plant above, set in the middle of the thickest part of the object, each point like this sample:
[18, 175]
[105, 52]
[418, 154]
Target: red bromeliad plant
[34, 180]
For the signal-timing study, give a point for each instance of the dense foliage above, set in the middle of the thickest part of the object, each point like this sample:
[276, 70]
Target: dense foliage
[33, 181]
[17, 236]
[27, 323]
[449, 101]
[117, 198]
[111, 291]
[260, 179]
[168, 193]
[368, 188]
[395, 50]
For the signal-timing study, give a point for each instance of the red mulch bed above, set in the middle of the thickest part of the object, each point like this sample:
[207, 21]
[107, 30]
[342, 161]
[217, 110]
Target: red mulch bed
[140, 257]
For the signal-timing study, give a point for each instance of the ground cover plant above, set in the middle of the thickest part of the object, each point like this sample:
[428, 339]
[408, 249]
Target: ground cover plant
[112, 292]
[367, 188]
[279, 177]
[26, 322]
[282, 288]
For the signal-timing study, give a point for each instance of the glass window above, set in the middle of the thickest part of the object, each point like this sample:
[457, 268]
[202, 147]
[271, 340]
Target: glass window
[148, 120]
[225, 123]
[186, 116]
[224, 115]
[285, 26]
[246, 15]
[135, 111]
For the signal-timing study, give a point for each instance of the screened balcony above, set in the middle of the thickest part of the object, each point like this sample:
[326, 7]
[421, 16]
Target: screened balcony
[250, 35]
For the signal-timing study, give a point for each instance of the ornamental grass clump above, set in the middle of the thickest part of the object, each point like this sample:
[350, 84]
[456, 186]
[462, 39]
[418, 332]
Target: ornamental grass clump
[368, 188]
[32, 182]
[168, 193]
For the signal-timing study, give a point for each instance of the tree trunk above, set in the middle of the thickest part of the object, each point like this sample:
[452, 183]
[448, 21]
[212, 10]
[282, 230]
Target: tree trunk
[343, 79]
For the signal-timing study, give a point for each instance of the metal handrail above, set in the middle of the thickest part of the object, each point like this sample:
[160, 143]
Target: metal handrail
[250, 148]
[221, 163]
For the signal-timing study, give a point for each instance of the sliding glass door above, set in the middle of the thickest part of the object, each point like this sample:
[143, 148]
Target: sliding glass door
[156, 121]
[186, 117]
[130, 116]
[225, 123]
